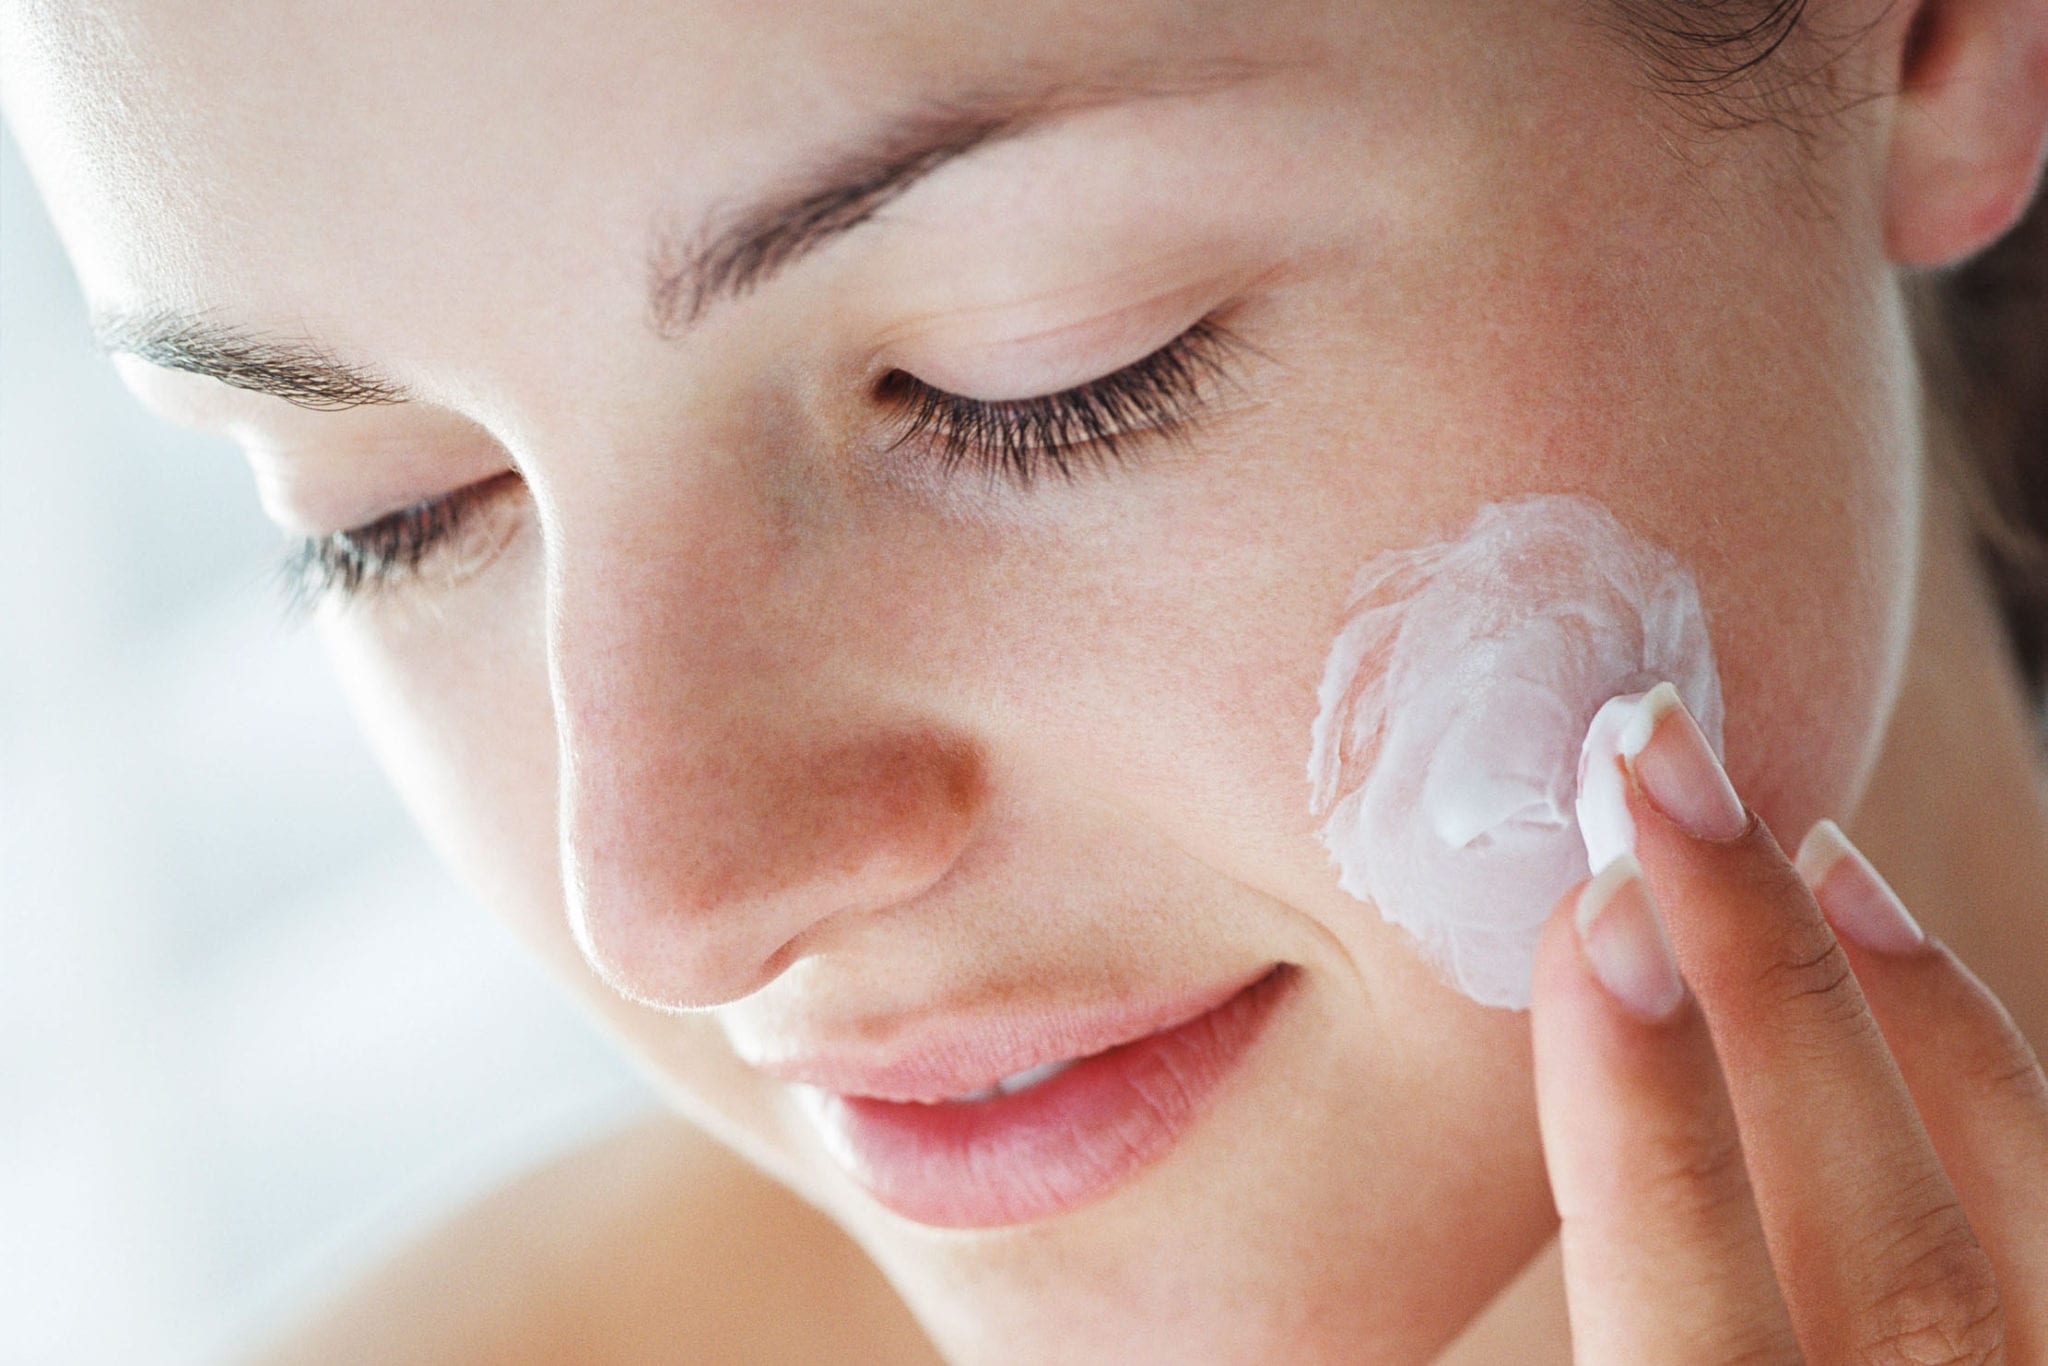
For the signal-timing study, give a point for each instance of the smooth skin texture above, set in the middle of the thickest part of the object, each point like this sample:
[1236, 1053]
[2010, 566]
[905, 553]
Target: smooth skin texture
[733, 713]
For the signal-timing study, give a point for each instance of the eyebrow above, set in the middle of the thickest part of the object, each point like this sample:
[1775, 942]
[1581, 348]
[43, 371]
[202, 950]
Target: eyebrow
[299, 371]
[731, 254]
[689, 271]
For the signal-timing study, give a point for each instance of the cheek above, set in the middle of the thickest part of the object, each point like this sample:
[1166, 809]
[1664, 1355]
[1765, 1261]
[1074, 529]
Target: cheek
[1812, 595]
[1792, 502]
[1775, 463]
[454, 702]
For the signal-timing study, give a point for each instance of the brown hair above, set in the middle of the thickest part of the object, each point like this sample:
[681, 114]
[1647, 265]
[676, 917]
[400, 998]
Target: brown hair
[1980, 327]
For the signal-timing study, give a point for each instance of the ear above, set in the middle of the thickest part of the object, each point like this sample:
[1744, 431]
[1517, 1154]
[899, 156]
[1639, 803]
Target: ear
[1970, 126]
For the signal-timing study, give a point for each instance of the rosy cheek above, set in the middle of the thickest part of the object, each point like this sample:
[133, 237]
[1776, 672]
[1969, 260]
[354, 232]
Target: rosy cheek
[1445, 754]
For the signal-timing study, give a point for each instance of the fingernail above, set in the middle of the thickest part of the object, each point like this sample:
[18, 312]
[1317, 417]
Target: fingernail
[1672, 761]
[1623, 941]
[1857, 901]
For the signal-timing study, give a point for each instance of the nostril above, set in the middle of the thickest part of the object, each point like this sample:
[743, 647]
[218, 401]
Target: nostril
[693, 879]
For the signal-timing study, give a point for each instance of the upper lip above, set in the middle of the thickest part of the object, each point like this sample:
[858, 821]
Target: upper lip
[934, 1055]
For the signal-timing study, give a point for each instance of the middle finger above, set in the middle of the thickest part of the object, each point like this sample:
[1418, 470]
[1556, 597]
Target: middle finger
[1868, 1237]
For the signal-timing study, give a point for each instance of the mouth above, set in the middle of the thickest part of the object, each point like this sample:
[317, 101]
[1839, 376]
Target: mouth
[941, 1144]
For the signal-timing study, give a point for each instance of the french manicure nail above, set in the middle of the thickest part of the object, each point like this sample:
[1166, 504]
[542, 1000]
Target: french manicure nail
[1672, 761]
[1623, 941]
[1858, 902]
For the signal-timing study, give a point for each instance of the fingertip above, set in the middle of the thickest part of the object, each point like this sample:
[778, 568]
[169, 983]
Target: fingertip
[1671, 762]
[1607, 929]
[1606, 981]
[1853, 895]
[1819, 848]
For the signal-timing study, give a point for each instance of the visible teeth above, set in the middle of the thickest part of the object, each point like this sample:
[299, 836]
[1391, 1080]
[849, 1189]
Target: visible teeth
[1030, 1076]
[1015, 1082]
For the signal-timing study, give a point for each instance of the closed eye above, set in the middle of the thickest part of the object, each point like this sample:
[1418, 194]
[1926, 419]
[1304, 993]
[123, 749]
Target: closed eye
[1094, 423]
[1091, 425]
[345, 565]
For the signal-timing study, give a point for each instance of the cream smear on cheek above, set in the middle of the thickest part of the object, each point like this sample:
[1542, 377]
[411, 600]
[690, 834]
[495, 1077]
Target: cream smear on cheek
[1457, 715]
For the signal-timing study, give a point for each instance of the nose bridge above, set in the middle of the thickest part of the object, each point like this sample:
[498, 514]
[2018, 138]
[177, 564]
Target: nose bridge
[728, 783]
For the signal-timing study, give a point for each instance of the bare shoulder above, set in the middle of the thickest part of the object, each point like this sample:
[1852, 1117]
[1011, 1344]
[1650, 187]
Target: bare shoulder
[652, 1244]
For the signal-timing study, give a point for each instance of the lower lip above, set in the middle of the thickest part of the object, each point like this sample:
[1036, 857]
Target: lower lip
[1062, 1143]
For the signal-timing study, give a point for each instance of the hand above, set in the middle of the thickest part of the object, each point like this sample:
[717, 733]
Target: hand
[1827, 1137]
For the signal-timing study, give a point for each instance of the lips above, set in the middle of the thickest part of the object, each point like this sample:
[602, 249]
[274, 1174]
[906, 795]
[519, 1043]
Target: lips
[1003, 1122]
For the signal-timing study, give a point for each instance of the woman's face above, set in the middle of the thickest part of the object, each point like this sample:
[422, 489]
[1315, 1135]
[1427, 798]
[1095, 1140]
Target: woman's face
[781, 742]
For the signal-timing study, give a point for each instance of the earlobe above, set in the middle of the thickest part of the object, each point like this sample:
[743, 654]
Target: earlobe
[1970, 130]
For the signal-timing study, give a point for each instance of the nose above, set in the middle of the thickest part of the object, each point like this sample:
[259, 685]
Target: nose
[733, 780]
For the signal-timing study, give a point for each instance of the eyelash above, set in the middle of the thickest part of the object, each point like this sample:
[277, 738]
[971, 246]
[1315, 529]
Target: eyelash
[1017, 440]
[346, 565]
[1020, 439]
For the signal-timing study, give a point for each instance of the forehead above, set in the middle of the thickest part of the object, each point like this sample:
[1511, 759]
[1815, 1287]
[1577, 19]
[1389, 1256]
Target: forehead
[204, 146]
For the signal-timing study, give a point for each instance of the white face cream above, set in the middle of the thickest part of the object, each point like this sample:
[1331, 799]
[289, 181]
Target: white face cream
[1453, 708]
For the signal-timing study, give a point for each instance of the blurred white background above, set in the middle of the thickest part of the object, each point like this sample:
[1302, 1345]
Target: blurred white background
[249, 1032]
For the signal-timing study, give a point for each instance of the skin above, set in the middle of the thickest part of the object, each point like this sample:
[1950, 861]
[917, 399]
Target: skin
[737, 717]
